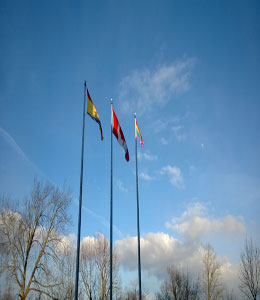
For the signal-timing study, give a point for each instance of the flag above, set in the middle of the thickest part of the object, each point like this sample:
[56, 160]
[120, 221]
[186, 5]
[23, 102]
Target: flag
[138, 134]
[91, 110]
[118, 133]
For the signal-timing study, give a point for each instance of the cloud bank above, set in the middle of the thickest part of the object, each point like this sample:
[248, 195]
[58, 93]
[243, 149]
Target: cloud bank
[161, 250]
[194, 224]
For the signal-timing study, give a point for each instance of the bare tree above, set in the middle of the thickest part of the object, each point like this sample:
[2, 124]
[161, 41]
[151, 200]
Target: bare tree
[250, 270]
[102, 254]
[178, 286]
[6, 290]
[211, 278]
[88, 268]
[65, 271]
[164, 293]
[29, 238]
[131, 293]
[95, 267]
[228, 296]
[7, 296]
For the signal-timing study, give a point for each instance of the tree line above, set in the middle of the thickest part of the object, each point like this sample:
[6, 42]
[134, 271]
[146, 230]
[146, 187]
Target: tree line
[37, 261]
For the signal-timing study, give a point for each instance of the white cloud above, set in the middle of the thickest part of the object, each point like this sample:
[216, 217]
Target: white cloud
[121, 186]
[146, 156]
[229, 274]
[159, 251]
[69, 240]
[178, 132]
[8, 215]
[67, 244]
[145, 176]
[175, 175]
[193, 224]
[146, 89]
[164, 142]
[91, 241]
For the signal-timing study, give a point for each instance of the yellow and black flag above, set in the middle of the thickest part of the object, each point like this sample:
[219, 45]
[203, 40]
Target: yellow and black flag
[91, 110]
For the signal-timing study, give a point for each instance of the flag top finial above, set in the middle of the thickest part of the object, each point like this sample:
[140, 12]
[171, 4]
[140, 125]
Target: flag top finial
[111, 101]
[85, 83]
[135, 115]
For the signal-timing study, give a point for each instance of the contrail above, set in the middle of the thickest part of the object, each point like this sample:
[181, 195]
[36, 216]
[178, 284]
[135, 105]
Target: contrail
[101, 220]
[12, 143]
[7, 137]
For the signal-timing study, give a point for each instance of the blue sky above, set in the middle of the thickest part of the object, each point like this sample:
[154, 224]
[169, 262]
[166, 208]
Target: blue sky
[190, 70]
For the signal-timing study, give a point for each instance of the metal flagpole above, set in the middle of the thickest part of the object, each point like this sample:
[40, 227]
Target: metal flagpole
[138, 227]
[111, 209]
[80, 198]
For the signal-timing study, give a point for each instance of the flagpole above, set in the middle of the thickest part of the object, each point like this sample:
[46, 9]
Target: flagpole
[111, 210]
[138, 226]
[80, 198]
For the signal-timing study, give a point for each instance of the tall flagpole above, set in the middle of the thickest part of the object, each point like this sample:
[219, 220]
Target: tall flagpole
[138, 227]
[111, 210]
[80, 198]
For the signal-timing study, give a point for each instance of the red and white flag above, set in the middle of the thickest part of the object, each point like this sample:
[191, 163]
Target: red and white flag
[118, 133]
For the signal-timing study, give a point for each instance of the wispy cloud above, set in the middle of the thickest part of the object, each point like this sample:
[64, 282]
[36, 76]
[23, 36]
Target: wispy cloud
[175, 175]
[146, 156]
[160, 125]
[121, 186]
[164, 142]
[192, 169]
[178, 132]
[145, 176]
[146, 89]
[171, 125]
